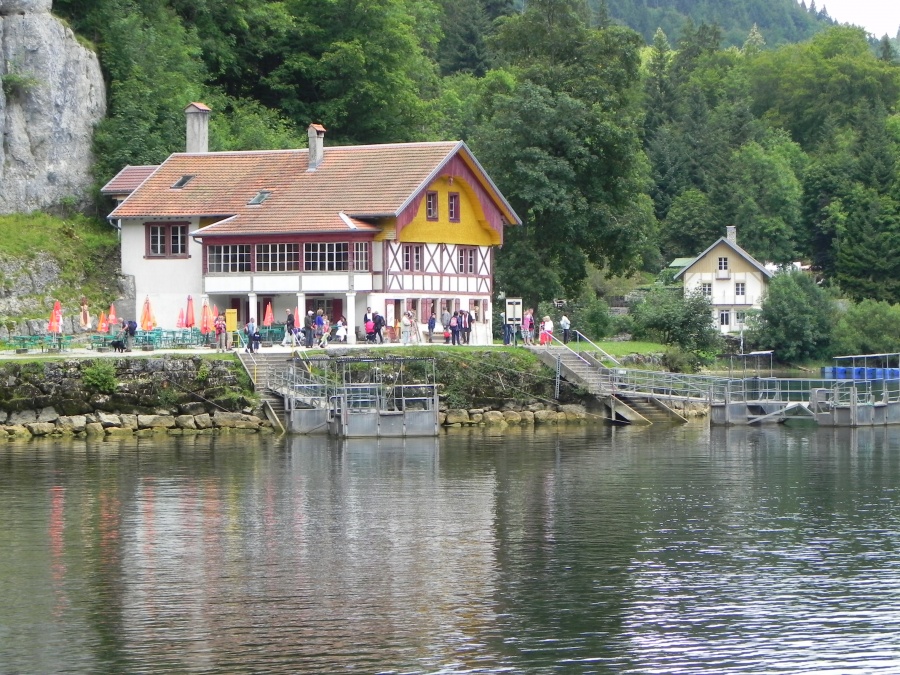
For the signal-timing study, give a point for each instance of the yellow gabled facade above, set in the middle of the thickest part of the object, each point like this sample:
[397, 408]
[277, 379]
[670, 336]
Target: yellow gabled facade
[472, 228]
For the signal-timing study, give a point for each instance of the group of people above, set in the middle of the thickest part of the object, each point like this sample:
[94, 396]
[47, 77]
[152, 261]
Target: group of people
[316, 330]
[457, 326]
[530, 328]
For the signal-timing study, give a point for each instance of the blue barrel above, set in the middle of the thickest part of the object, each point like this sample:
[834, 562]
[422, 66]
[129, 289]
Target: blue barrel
[879, 373]
[859, 373]
[827, 373]
[840, 373]
[893, 373]
[870, 373]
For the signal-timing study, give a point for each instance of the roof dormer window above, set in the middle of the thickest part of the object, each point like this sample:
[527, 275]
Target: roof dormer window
[181, 182]
[260, 197]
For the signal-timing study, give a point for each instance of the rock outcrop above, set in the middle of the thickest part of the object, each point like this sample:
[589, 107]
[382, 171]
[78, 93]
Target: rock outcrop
[51, 98]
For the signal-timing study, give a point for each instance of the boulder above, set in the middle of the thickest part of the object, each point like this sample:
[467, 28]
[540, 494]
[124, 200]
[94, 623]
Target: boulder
[457, 417]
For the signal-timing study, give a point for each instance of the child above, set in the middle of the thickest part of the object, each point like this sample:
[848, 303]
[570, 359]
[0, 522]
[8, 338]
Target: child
[370, 331]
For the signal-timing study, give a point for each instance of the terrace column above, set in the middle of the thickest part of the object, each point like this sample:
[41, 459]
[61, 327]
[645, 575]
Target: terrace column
[251, 309]
[350, 314]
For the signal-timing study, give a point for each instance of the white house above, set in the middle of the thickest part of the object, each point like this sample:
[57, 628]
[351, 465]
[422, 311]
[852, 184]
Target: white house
[730, 277]
[394, 227]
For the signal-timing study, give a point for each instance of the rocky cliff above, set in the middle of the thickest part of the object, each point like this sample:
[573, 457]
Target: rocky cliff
[52, 97]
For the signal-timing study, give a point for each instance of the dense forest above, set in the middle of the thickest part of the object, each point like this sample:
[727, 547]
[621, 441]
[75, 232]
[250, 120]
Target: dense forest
[619, 155]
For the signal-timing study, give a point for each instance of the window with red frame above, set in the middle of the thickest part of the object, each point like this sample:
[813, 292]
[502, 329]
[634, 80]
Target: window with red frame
[431, 205]
[453, 207]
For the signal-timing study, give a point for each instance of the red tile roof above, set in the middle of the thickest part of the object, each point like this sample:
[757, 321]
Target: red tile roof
[128, 179]
[362, 182]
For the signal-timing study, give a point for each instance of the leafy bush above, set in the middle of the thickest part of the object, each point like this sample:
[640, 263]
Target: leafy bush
[100, 377]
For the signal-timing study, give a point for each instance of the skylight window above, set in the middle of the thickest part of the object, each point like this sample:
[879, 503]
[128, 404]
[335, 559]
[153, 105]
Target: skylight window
[260, 197]
[181, 182]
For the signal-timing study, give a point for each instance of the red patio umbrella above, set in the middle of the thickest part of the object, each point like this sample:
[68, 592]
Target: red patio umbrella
[148, 321]
[180, 322]
[205, 320]
[112, 319]
[103, 324]
[270, 317]
[189, 320]
[55, 319]
[215, 312]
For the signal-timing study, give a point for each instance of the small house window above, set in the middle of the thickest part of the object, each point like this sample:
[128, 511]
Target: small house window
[453, 207]
[723, 263]
[260, 197]
[412, 258]
[740, 288]
[706, 289]
[431, 205]
[166, 240]
[725, 318]
[740, 317]
[181, 182]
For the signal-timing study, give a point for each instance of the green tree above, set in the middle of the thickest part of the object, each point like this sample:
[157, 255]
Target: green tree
[677, 319]
[869, 327]
[796, 318]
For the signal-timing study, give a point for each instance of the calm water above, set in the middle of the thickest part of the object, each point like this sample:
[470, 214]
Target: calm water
[604, 550]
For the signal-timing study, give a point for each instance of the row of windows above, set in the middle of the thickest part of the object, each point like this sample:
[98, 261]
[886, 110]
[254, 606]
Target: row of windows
[317, 257]
[465, 259]
[432, 207]
[740, 288]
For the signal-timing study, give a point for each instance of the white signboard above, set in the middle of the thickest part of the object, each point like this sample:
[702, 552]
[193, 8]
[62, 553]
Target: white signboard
[514, 311]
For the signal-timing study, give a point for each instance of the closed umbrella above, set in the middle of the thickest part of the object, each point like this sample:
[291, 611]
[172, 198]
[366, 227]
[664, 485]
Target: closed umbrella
[205, 322]
[103, 324]
[270, 317]
[148, 321]
[55, 319]
[180, 322]
[85, 316]
[189, 320]
[112, 319]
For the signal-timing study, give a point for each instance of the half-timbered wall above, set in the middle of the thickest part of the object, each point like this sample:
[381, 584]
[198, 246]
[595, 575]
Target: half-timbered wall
[420, 267]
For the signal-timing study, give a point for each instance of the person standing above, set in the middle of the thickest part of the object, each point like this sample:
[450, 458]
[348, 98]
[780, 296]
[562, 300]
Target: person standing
[432, 322]
[564, 326]
[319, 325]
[445, 318]
[309, 329]
[546, 331]
[221, 335]
[462, 322]
[379, 327]
[250, 331]
[405, 328]
[454, 328]
[289, 337]
[528, 328]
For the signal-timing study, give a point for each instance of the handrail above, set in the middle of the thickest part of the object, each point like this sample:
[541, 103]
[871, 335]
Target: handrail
[582, 336]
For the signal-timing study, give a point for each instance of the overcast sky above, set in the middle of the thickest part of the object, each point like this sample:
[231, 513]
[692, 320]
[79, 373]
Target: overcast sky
[876, 16]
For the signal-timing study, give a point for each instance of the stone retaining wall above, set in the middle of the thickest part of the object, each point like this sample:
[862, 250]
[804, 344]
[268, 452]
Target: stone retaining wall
[536, 413]
[47, 422]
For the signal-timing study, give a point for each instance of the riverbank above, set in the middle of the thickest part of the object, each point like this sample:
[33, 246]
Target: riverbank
[199, 393]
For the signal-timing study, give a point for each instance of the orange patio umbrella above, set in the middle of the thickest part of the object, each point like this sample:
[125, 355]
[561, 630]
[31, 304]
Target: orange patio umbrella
[180, 322]
[215, 312]
[112, 319]
[103, 324]
[189, 320]
[270, 317]
[205, 318]
[55, 319]
[148, 321]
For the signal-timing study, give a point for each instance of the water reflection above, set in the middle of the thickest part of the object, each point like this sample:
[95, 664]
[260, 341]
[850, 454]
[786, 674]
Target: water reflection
[598, 549]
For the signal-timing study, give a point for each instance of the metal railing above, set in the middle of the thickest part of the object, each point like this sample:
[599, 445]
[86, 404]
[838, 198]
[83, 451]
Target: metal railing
[581, 337]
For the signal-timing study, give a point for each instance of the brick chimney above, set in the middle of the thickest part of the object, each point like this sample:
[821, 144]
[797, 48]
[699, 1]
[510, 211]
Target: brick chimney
[197, 118]
[316, 145]
[731, 233]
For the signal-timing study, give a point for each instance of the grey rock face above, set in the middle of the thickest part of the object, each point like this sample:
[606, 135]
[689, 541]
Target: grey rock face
[52, 97]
